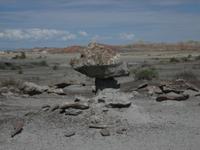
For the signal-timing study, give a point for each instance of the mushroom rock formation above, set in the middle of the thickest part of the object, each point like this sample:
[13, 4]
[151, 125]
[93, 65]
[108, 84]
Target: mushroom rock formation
[102, 63]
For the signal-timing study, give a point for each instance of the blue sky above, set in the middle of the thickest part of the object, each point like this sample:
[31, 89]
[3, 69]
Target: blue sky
[59, 23]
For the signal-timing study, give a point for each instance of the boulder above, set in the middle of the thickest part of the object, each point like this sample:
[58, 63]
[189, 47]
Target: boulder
[99, 61]
[32, 88]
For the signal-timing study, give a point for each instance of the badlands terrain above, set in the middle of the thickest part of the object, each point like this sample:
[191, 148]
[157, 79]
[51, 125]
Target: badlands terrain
[45, 104]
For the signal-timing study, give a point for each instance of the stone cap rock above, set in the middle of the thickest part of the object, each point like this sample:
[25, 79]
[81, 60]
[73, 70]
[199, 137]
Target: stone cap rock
[100, 61]
[96, 54]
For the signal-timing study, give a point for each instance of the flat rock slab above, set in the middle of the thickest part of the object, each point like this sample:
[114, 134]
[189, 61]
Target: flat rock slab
[75, 105]
[72, 112]
[104, 71]
[172, 96]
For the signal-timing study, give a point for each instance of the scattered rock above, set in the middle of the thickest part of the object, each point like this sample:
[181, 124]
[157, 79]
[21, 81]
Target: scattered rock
[197, 95]
[192, 87]
[46, 106]
[75, 105]
[18, 127]
[95, 126]
[94, 119]
[118, 104]
[55, 107]
[32, 88]
[114, 98]
[56, 91]
[141, 86]
[72, 112]
[69, 133]
[61, 111]
[154, 90]
[105, 132]
[166, 89]
[121, 130]
[172, 96]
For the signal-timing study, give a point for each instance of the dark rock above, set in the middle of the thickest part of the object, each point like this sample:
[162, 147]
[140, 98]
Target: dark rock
[62, 85]
[197, 95]
[61, 111]
[18, 127]
[106, 83]
[96, 126]
[105, 132]
[69, 133]
[55, 107]
[118, 104]
[141, 86]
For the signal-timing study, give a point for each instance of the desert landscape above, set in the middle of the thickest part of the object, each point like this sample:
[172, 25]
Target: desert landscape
[84, 98]
[99, 74]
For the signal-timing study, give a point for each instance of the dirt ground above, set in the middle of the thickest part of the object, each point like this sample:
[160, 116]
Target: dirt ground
[145, 125]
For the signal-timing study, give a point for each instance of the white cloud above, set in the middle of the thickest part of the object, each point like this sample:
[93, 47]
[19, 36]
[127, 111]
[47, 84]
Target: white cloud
[36, 34]
[100, 38]
[127, 36]
[83, 33]
[69, 37]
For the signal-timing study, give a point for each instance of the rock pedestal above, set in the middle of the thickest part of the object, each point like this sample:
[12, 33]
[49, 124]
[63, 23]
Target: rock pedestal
[102, 63]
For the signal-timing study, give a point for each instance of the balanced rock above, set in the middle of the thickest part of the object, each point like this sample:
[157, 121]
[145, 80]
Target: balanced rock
[100, 61]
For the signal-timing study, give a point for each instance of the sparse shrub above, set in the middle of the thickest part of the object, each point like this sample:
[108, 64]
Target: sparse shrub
[185, 59]
[15, 67]
[189, 56]
[40, 63]
[145, 73]
[186, 75]
[2, 66]
[21, 56]
[10, 83]
[174, 60]
[55, 67]
[20, 71]
[197, 57]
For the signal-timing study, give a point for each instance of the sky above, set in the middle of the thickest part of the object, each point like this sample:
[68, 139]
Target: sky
[61, 23]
